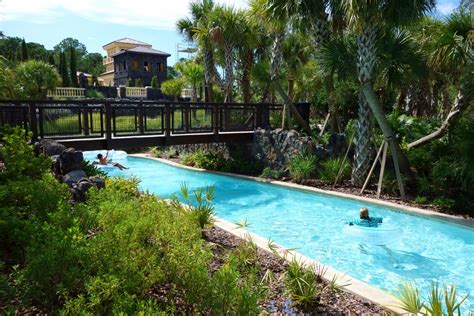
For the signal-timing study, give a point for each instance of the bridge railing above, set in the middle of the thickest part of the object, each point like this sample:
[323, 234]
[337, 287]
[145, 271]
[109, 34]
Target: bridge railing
[67, 92]
[114, 119]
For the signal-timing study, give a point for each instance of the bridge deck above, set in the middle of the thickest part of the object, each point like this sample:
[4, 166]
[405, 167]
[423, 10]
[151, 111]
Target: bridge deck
[107, 124]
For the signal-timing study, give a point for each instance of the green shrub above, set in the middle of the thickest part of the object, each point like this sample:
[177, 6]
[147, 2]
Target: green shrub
[211, 160]
[301, 285]
[92, 170]
[154, 82]
[19, 157]
[421, 200]
[444, 203]
[156, 152]
[302, 166]
[94, 94]
[331, 167]
[271, 173]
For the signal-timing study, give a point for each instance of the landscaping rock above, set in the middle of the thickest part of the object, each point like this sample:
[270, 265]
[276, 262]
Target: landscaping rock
[80, 188]
[50, 147]
[98, 182]
[70, 160]
[74, 176]
[274, 148]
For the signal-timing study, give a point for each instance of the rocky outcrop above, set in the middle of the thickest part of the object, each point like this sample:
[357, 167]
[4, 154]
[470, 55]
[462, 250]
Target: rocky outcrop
[67, 167]
[274, 148]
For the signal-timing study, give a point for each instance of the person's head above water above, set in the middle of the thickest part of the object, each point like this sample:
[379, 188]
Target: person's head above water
[99, 156]
[364, 213]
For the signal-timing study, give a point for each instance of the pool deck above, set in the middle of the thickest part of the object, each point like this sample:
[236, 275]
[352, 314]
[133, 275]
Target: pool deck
[349, 283]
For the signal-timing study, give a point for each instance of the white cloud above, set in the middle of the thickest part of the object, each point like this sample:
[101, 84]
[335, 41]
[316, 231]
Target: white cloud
[156, 14]
[445, 7]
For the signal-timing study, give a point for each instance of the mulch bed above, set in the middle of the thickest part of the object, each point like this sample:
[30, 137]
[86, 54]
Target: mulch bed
[332, 302]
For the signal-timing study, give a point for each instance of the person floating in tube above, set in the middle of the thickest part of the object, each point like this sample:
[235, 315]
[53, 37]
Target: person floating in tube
[104, 161]
[365, 220]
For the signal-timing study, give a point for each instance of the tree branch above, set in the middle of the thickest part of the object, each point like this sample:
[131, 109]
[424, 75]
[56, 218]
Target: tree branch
[460, 104]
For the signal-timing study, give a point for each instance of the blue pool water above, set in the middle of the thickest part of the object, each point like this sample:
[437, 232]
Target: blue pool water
[428, 249]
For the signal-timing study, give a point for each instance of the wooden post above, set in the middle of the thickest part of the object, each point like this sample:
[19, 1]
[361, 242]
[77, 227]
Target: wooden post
[377, 158]
[108, 124]
[215, 122]
[41, 122]
[393, 151]
[186, 118]
[324, 125]
[167, 123]
[141, 125]
[33, 120]
[382, 169]
[85, 121]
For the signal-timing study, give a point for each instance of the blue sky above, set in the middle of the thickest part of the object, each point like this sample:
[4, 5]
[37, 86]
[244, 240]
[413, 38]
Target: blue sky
[96, 23]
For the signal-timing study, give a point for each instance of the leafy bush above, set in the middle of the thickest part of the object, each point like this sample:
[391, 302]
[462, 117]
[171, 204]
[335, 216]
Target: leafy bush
[330, 169]
[156, 152]
[35, 78]
[302, 166]
[211, 160]
[421, 200]
[444, 202]
[94, 94]
[19, 157]
[440, 301]
[92, 170]
[301, 285]
[154, 82]
[271, 173]
[173, 87]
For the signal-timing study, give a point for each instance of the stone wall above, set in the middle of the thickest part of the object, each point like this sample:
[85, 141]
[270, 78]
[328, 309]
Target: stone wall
[274, 148]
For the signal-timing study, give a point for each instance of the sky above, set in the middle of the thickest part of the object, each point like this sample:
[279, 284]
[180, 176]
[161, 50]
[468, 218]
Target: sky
[98, 22]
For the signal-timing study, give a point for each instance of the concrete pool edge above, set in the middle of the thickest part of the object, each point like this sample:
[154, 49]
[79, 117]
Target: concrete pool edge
[394, 206]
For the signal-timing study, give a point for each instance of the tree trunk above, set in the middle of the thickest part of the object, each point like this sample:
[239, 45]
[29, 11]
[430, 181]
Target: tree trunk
[366, 60]
[385, 127]
[247, 68]
[362, 142]
[335, 124]
[460, 104]
[208, 72]
[229, 72]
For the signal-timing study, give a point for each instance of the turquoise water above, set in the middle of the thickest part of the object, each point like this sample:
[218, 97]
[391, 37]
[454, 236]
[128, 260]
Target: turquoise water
[427, 250]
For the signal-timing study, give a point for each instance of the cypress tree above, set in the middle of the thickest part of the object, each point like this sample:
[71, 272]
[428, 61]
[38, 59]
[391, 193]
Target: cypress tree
[154, 82]
[73, 68]
[63, 69]
[129, 82]
[51, 60]
[138, 83]
[24, 51]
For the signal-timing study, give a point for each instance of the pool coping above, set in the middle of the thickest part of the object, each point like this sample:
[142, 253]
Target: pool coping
[348, 283]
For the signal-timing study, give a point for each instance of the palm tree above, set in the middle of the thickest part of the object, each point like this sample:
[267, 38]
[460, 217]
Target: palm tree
[196, 29]
[311, 16]
[227, 26]
[368, 19]
[193, 74]
[453, 51]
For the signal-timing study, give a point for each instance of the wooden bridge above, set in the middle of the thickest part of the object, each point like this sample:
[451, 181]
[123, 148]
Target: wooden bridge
[108, 124]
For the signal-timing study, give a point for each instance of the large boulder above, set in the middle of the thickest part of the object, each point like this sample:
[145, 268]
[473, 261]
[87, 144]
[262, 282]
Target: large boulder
[70, 160]
[50, 147]
[80, 188]
[74, 176]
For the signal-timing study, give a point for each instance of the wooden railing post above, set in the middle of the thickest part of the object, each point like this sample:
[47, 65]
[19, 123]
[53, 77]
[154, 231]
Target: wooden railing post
[167, 123]
[141, 125]
[33, 120]
[186, 109]
[215, 121]
[108, 124]
[85, 121]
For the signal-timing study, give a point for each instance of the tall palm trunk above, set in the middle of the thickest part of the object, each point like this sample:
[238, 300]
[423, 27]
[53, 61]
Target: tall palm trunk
[208, 71]
[247, 68]
[229, 71]
[365, 64]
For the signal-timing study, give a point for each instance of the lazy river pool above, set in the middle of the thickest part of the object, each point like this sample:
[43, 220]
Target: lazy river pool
[313, 223]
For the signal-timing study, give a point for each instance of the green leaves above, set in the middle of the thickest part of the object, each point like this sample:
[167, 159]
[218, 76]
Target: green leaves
[302, 166]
